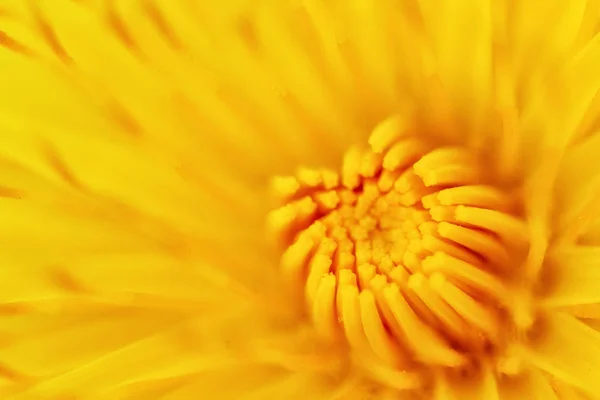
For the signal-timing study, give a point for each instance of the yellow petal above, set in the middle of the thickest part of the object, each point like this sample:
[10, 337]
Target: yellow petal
[279, 37]
[159, 279]
[535, 51]
[462, 35]
[144, 390]
[591, 234]
[41, 346]
[532, 385]
[20, 233]
[481, 384]
[530, 22]
[301, 386]
[587, 312]
[578, 190]
[564, 391]
[373, 58]
[113, 356]
[247, 379]
[154, 100]
[27, 283]
[575, 277]
[569, 350]
[584, 83]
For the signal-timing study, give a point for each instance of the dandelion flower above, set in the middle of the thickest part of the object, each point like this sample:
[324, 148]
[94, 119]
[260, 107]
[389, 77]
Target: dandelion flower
[269, 199]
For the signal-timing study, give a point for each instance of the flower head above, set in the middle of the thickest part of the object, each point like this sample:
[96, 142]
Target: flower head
[269, 199]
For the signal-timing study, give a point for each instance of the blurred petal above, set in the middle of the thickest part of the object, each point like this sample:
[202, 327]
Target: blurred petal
[480, 385]
[563, 340]
[575, 277]
[532, 385]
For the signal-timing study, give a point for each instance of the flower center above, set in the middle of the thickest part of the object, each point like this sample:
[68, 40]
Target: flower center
[407, 255]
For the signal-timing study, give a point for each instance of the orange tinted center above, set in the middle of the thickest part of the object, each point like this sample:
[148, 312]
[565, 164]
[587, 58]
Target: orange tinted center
[406, 255]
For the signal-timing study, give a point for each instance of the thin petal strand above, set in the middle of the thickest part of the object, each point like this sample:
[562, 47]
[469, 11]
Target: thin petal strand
[569, 350]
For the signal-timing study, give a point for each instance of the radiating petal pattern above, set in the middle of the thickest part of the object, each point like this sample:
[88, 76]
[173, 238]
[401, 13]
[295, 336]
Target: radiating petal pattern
[328, 199]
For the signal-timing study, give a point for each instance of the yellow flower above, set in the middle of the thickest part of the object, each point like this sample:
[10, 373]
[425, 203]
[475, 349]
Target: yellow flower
[427, 173]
